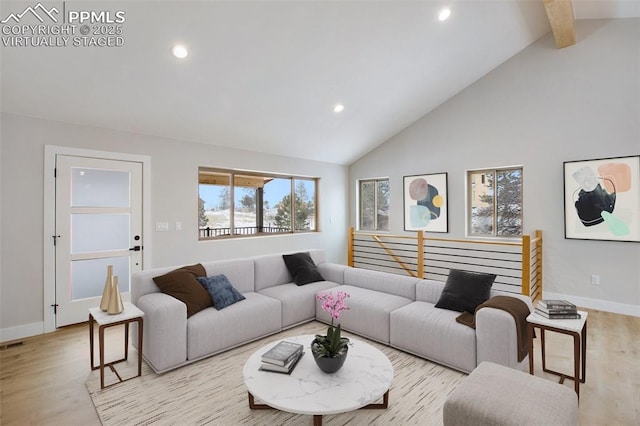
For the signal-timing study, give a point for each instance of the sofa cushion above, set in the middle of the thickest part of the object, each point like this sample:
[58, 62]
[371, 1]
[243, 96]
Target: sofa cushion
[182, 284]
[332, 272]
[368, 313]
[429, 291]
[465, 290]
[222, 293]
[238, 271]
[211, 331]
[384, 282]
[420, 328]
[302, 269]
[270, 269]
[298, 302]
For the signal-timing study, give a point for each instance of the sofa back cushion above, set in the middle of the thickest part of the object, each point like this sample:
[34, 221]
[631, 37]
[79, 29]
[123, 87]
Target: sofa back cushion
[385, 282]
[270, 269]
[429, 291]
[333, 272]
[238, 271]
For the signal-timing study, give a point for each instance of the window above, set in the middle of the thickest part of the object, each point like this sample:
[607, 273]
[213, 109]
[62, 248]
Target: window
[495, 202]
[374, 205]
[255, 203]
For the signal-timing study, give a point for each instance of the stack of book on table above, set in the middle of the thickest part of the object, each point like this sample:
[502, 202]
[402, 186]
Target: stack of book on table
[282, 358]
[557, 309]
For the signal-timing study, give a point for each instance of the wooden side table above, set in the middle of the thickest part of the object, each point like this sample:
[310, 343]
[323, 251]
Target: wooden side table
[577, 328]
[130, 314]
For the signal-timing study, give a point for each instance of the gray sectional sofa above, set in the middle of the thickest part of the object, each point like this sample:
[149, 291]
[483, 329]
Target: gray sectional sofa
[391, 309]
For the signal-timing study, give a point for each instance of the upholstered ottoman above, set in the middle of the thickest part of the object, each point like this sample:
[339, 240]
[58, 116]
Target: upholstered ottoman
[496, 395]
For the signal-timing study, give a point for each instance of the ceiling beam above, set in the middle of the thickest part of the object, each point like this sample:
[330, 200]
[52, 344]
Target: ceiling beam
[562, 20]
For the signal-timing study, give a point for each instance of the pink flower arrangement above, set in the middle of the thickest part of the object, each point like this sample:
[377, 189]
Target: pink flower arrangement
[334, 305]
[332, 344]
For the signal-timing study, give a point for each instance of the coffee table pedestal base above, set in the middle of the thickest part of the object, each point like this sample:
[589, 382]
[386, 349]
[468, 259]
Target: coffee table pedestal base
[317, 418]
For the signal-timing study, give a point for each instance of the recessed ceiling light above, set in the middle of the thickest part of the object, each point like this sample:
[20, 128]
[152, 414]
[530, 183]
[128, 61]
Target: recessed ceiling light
[338, 108]
[444, 14]
[179, 51]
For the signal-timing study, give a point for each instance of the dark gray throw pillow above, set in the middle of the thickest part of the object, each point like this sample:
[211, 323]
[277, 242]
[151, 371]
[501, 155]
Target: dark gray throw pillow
[465, 290]
[222, 293]
[302, 268]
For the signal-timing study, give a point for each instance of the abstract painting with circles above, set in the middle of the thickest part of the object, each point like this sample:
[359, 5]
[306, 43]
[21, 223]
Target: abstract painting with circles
[425, 203]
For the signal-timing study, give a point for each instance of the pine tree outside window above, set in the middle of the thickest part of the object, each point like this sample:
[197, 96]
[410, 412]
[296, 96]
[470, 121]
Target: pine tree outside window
[495, 202]
[373, 208]
[255, 203]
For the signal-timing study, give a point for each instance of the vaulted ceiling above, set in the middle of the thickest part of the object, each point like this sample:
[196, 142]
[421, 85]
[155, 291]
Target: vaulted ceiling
[265, 76]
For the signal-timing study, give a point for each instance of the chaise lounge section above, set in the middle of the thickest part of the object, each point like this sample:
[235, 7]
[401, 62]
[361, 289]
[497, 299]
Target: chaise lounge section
[433, 333]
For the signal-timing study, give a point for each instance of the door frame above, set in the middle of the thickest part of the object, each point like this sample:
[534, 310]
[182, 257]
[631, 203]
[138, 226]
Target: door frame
[49, 222]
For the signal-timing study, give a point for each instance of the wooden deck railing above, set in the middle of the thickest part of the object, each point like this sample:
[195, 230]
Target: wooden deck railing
[517, 264]
[240, 230]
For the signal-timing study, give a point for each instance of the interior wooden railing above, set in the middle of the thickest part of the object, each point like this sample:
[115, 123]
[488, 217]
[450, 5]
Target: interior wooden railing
[517, 263]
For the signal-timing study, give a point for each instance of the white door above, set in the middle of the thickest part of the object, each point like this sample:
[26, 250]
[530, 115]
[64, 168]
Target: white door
[98, 223]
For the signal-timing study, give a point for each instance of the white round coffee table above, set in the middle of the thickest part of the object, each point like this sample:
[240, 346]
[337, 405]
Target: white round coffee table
[364, 378]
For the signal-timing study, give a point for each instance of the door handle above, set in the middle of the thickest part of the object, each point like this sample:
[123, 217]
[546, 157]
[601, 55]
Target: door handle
[135, 248]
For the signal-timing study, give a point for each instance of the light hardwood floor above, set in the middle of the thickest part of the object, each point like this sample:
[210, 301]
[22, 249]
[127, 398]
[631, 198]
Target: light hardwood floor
[42, 381]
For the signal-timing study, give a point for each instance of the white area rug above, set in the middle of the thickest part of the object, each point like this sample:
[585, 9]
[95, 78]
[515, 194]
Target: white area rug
[212, 392]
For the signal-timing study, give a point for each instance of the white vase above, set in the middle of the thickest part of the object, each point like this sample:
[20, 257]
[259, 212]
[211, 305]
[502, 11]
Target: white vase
[115, 300]
[106, 293]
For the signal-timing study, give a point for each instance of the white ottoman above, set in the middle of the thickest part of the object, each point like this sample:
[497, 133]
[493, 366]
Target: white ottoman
[496, 395]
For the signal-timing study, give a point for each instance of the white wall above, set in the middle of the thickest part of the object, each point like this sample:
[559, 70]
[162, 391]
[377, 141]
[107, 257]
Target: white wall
[540, 108]
[174, 168]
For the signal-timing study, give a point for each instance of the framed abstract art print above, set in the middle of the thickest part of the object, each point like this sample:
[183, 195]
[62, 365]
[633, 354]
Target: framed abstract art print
[602, 199]
[425, 203]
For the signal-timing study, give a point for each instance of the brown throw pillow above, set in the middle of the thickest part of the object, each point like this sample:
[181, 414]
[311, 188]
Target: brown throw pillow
[182, 285]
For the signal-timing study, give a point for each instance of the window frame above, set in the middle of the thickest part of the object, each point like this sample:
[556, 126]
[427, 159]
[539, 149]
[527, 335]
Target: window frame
[233, 175]
[360, 209]
[470, 196]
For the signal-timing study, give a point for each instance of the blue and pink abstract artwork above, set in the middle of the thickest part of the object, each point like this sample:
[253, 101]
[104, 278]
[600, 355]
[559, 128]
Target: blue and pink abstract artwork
[425, 203]
[602, 199]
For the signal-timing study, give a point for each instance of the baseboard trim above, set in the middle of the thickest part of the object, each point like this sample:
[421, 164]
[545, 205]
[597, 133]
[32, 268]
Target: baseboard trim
[600, 305]
[21, 331]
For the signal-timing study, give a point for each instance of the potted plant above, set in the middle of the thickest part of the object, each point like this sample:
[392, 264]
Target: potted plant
[330, 351]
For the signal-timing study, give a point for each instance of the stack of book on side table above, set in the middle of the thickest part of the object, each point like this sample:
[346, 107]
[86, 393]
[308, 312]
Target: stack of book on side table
[282, 358]
[557, 309]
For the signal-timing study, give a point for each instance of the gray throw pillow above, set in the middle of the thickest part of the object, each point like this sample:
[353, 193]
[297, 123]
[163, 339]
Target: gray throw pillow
[222, 293]
[465, 290]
